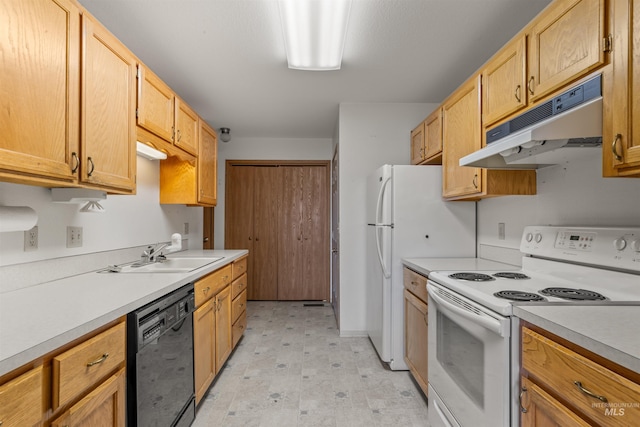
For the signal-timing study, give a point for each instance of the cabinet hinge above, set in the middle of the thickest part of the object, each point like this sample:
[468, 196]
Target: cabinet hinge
[607, 43]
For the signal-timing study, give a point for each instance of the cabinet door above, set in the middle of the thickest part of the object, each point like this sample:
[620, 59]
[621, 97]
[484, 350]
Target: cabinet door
[621, 137]
[223, 341]
[264, 282]
[21, 399]
[108, 127]
[542, 410]
[433, 138]
[504, 82]
[207, 165]
[103, 407]
[155, 104]
[204, 364]
[416, 338]
[40, 85]
[186, 128]
[417, 144]
[461, 136]
[564, 44]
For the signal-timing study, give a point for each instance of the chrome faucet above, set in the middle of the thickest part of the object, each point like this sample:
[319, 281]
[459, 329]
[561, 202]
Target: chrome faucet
[154, 253]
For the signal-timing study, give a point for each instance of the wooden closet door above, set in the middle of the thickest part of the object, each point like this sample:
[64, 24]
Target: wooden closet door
[303, 252]
[268, 184]
[290, 248]
[315, 232]
[238, 230]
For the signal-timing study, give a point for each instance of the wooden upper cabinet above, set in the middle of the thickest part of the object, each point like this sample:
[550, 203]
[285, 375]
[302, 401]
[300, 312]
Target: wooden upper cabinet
[461, 127]
[39, 106]
[433, 138]
[187, 130]
[207, 165]
[164, 114]
[417, 144]
[504, 82]
[565, 43]
[621, 127]
[155, 104]
[108, 129]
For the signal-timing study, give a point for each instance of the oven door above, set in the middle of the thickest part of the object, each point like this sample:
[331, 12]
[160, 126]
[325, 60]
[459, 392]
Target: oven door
[469, 364]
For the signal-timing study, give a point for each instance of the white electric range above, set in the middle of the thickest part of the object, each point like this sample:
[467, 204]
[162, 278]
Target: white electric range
[472, 363]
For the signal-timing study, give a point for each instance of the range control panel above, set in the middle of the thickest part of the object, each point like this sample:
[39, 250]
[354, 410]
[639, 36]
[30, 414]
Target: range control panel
[614, 247]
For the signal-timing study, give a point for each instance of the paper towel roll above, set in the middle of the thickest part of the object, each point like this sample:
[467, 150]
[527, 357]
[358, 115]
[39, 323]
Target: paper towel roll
[17, 218]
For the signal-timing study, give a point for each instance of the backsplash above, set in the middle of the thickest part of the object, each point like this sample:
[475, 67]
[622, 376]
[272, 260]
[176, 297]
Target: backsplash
[572, 193]
[129, 222]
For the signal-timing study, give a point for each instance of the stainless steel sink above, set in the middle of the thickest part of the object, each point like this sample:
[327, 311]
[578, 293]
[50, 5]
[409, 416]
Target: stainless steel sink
[169, 265]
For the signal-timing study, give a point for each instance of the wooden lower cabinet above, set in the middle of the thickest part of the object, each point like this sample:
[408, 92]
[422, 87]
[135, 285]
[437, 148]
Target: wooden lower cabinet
[416, 327]
[539, 409]
[204, 348]
[565, 385]
[216, 329]
[223, 327]
[21, 399]
[105, 406]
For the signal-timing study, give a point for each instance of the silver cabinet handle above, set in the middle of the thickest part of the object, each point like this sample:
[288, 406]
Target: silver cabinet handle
[589, 392]
[98, 361]
[524, 410]
[614, 147]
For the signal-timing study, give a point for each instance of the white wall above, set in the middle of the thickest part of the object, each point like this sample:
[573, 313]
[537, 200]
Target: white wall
[262, 149]
[572, 193]
[128, 221]
[369, 136]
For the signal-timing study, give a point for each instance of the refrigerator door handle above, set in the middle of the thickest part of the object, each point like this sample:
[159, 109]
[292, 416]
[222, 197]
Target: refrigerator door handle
[383, 188]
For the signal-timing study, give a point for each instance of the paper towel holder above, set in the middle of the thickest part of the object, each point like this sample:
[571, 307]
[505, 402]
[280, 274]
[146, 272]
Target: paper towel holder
[91, 198]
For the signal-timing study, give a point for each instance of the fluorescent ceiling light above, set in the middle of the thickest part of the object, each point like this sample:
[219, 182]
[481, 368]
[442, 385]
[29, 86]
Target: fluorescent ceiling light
[314, 32]
[149, 152]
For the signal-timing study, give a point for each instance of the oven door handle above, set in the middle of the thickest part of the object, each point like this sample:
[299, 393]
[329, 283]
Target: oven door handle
[488, 322]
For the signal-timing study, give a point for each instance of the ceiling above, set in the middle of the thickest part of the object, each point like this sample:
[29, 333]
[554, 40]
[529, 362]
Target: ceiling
[226, 58]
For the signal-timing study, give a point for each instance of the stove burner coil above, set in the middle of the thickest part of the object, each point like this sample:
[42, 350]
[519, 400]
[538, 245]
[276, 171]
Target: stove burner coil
[472, 277]
[519, 296]
[573, 294]
[512, 275]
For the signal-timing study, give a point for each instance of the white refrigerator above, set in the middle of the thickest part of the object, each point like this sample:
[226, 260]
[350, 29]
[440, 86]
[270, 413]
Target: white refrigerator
[407, 218]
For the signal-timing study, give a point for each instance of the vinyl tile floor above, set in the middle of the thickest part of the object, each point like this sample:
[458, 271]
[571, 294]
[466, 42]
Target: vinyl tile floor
[291, 368]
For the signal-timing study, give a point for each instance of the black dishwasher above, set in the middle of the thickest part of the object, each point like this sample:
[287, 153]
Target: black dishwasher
[160, 386]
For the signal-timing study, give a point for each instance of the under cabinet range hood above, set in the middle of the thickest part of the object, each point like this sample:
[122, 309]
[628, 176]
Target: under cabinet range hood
[547, 134]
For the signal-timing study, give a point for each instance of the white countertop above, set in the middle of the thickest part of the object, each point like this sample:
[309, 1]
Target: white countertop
[607, 329]
[36, 320]
[426, 265]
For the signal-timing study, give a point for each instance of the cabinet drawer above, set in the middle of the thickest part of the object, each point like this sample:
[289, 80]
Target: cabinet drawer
[238, 285]
[238, 305]
[238, 327]
[83, 366]
[21, 399]
[416, 284]
[239, 267]
[211, 284]
[559, 368]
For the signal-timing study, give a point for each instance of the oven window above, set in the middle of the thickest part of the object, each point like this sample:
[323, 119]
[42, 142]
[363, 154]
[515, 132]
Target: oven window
[461, 355]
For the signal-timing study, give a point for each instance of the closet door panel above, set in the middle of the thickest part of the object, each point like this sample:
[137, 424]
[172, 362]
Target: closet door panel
[315, 232]
[268, 184]
[290, 254]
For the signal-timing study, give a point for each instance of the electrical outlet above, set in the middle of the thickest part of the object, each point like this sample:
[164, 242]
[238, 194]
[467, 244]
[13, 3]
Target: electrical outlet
[501, 231]
[74, 237]
[31, 239]
[186, 228]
